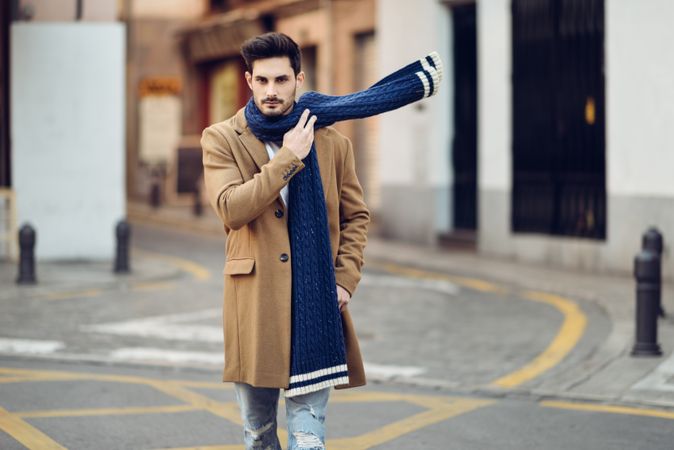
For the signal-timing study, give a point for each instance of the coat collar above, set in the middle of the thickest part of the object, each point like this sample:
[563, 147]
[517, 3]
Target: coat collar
[258, 152]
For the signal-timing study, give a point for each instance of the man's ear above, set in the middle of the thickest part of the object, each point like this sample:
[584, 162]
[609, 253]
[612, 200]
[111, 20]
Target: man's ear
[249, 79]
[299, 80]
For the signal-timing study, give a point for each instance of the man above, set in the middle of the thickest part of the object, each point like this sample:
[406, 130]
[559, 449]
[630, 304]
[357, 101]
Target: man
[271, 274]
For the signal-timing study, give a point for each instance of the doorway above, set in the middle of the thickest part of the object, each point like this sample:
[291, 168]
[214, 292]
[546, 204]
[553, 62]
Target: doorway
[559, 163]
[464, 146]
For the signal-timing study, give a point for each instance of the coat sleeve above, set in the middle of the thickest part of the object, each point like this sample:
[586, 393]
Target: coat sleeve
[354, 218]
[237, 202]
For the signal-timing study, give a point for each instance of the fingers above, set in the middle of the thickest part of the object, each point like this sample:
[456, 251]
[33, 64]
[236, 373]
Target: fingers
[342, 304]
[303, 120]
[311, 122]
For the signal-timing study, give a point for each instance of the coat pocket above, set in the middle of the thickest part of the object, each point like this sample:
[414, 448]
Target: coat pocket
[239, 266]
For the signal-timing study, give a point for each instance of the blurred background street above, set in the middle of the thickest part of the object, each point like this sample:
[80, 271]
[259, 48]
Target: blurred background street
[498, 306]
[460, 351]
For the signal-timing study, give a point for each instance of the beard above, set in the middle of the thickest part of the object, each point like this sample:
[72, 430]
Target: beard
[274, 107]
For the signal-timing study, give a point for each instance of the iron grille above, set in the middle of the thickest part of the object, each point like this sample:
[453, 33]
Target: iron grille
[559, 175]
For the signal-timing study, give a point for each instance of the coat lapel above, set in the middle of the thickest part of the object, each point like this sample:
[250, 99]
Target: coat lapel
[253, 145]
[255, 148]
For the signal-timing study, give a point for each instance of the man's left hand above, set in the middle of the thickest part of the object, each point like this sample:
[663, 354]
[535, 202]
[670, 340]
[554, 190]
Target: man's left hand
[343, 297]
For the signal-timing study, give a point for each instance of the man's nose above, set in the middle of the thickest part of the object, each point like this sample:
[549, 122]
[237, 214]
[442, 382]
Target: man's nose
[271, 90]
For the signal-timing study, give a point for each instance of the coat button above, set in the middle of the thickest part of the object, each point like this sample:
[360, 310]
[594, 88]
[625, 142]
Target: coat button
[284, 257]
[278, 213]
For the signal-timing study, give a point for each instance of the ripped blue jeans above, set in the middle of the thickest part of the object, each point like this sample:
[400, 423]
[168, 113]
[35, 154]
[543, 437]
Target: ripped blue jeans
[305, 415]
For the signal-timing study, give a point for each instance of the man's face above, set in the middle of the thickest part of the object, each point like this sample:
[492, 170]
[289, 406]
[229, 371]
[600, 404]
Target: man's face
[274, 84]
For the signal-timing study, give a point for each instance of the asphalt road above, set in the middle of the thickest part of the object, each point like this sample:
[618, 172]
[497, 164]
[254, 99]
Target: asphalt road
[138, 365]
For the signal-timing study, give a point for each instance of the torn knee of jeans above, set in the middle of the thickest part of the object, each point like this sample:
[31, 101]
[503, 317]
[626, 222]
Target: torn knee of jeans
[257, 433]
[316, 416]
[308, 441]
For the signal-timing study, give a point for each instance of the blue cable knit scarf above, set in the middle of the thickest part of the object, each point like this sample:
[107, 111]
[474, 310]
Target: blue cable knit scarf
[318, 355]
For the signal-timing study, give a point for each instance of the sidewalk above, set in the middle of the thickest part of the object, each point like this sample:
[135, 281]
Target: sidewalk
[66, 278]
[610, 374]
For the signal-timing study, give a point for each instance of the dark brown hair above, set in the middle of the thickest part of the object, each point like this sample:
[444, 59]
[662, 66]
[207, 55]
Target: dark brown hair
[271, 45]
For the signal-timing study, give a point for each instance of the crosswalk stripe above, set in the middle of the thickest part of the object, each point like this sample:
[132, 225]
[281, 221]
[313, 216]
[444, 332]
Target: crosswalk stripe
[146, 354]
[29, 346]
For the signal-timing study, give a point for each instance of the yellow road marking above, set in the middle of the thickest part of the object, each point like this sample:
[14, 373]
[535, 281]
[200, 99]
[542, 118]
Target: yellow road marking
[197, 270]
[24, 433]
[360, 397]
[478, 285]
[397, 429]
[206, 384]
[91, 293]
[228, 411]
[470, 283]
[52, 375]
[208, 447]
[567, 337]
[437, 409]
[612, 409]
[15, 379]
[106, 411]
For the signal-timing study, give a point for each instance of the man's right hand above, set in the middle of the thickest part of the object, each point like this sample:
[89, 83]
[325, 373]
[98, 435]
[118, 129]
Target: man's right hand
[299, 138]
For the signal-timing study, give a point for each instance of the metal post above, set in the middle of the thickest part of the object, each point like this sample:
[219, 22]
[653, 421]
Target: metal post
[197, 210]
[27, 241]
[652, 240]
[155, 194]
[123, 233]
[78, 10]
[647, 274]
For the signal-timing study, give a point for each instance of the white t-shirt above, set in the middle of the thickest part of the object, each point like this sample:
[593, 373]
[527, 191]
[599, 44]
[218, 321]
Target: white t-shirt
[272, 148]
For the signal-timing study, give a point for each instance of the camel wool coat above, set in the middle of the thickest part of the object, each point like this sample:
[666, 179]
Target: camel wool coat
[243, 187]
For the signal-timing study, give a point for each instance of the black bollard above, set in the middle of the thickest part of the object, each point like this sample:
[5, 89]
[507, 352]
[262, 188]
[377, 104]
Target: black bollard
[652, 240]
[155, 195]
[647, 274]
[123, 233]
[197, 210]
[27, 241]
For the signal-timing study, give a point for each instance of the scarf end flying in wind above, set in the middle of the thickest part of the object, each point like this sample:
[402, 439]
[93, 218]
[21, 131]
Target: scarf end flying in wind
[317, 351]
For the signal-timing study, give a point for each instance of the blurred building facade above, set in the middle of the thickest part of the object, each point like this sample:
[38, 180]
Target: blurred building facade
[571, 152]
[62, 149]
[197, 63]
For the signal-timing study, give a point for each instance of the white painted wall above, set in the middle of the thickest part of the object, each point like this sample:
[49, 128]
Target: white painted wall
[67, 104]
[494, 94]
[640, 97]
[415, 140]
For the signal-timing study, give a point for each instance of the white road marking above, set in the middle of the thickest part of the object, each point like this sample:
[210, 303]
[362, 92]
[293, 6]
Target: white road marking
[167, 356]
[169, 327]
[29, 346]
[661, 379]
[163, 356]
[149, 355]
[388, 281]
[385, 372]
